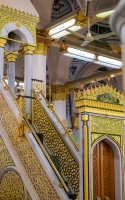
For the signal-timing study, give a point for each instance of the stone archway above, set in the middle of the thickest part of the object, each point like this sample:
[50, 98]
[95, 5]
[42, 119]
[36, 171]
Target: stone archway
[117, 166]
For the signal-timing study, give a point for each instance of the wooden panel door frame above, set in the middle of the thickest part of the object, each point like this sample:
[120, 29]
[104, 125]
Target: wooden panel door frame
[117, 167]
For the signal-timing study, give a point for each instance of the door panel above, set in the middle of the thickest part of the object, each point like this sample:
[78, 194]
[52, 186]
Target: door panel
[103, 171]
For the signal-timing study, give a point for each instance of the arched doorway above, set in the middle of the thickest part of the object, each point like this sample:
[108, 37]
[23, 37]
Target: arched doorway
[103, 171]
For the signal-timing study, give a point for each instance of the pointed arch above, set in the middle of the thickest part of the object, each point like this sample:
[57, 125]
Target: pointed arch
[117, 165]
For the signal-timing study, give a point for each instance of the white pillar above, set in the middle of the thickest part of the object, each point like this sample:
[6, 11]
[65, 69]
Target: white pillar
[28, 74]
[118, 25]
[2, 43]
[59, 101]
[11, 57]
[39, 64]
[60, 108]
[11, 76]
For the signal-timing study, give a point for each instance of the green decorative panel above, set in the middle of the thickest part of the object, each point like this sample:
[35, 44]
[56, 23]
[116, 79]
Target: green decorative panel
[106, 125]
[107, 98]
[109, 127]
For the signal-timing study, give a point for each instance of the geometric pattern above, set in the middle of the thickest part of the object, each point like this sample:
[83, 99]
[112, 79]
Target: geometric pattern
[11, 186]
[33, 168]
[57, 146]
[5, 158]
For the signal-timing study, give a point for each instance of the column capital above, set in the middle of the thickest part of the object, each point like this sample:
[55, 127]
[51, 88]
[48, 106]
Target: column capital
[41, 48]
[117, 19]
[29, 49]
[11, 56]
[84, 118]
[2, 42]
[58, 93]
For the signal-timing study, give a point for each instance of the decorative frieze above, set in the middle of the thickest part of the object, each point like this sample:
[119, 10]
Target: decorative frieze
[58, 93]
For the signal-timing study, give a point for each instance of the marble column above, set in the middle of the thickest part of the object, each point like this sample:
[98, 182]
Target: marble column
[59, 101]
[39, 64]
[2, 43]
[11, 57]
[117, 21]
[28, 75]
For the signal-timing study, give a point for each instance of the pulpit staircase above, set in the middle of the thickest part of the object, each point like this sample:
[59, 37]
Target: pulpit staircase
[48, 158]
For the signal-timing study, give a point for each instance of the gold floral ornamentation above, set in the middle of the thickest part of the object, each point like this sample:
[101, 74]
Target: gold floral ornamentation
[33, 168]
[9, 15]
[57, 146]
[5, 158]
[58, 93]
[11, 56]
[2, 42]
[18, 25]
[29, 49]
[101, 127]
[11, 186]
[92, 93]
[41, 48]
[106, 125]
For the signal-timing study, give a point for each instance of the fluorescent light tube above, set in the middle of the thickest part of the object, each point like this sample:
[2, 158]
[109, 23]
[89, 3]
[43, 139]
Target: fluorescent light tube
[78, 57]
[110, 61]
[64, 32]
[81, 53]
[105, 14]
[62, 27]
[107, 64]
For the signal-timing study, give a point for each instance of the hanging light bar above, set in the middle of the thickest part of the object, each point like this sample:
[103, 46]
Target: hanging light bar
[109, 62]
[62, 27]
[60, 30]
[105, 14]
[79, 54]
[91, 57]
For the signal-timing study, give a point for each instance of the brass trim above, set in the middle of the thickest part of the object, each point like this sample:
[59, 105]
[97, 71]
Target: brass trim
[65, 129]
[40, 144]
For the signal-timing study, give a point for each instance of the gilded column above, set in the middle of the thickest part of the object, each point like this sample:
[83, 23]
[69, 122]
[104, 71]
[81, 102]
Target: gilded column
[59, 101]
[85, 157]
[2, 43]
[28, 75]
[11, 57]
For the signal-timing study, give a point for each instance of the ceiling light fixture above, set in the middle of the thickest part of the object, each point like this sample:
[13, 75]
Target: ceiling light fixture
[60, 30]
[109, 62]
[105, 14]
[91, 57]
[79, 54]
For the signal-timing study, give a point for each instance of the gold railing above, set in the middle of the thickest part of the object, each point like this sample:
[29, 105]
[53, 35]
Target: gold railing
[57, 145]
[65, 129]
[62, 183]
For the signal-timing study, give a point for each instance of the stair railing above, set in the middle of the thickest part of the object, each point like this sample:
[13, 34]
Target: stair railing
[62, 183]
[67, 132]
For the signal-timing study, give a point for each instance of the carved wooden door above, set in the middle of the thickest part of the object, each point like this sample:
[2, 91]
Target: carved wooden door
[103, 171]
